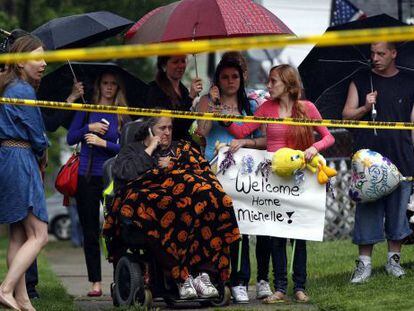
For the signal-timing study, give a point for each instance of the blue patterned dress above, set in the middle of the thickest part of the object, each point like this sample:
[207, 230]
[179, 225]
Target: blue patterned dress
[21, 188]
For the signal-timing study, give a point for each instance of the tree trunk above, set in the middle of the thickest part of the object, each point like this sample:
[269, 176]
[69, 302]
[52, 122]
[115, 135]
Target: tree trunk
[9, 6]
[26, 18]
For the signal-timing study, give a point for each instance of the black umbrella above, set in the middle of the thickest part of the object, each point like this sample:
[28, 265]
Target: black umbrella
[57, 86]
[81, 30]
[71, 32]
[327, 71]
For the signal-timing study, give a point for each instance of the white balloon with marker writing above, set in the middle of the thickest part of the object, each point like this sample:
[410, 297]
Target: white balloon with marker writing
[373, 176]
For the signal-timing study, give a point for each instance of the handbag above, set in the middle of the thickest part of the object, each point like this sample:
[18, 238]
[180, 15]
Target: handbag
[67, 178]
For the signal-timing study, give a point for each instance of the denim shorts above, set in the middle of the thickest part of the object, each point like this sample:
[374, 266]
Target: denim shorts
[386, 214]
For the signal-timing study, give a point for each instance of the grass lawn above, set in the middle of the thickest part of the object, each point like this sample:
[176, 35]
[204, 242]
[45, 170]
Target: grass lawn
[330, 265]
[53, 295]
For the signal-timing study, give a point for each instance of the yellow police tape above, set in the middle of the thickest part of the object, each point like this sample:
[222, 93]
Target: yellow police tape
[208, 115]
[334, 38]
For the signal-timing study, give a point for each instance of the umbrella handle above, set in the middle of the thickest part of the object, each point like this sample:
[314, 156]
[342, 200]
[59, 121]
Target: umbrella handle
[373, 111]
[75, 78]
[195, 57]
[374, 116]
[5, 32]
[195, 64]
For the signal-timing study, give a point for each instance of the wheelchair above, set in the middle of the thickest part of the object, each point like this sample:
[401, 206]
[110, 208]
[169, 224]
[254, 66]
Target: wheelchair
[139, 279]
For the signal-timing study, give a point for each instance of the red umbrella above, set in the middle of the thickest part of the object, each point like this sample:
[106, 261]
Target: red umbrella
[204, 19]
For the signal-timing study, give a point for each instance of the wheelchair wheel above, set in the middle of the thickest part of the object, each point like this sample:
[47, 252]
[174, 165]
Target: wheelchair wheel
[224, 298]
[129, 283]
[143, 298]
[114, 300]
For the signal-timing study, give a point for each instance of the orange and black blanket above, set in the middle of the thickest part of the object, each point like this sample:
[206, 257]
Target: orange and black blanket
[182, 208]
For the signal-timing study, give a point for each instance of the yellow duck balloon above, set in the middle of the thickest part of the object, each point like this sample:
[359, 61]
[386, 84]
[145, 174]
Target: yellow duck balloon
[286, 162]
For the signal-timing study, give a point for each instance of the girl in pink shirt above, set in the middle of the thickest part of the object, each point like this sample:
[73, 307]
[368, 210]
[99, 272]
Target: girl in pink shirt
[284, 86]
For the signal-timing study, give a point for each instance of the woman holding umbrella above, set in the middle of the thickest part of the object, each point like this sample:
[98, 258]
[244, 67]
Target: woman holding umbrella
[22, 153]
[168, 92]
[98, 134]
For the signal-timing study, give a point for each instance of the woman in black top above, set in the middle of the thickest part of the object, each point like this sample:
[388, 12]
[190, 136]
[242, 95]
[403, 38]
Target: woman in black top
[168, 92]
[169, 194]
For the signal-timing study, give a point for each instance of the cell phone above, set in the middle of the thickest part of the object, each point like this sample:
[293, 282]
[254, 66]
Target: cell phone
[150, 132]
[105, 121]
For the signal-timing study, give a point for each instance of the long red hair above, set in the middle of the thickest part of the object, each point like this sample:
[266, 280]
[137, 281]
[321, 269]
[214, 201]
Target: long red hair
[299, 137]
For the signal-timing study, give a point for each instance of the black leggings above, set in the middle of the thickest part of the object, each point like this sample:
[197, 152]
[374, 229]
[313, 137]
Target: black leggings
[88, 202]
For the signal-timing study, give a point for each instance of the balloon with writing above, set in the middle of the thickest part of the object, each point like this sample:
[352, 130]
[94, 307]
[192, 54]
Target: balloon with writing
[373, 176]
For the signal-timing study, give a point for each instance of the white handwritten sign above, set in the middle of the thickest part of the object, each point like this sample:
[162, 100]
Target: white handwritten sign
[274, 206]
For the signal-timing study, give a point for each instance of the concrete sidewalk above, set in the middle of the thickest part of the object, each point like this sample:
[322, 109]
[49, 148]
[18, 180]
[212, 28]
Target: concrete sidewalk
[68, 263]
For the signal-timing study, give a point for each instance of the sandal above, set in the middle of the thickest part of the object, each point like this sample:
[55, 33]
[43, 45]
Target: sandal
[276, 297]
[300, 296]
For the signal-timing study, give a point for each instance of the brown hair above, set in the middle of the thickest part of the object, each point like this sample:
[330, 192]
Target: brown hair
[242, 100]
[164, 83]
[120, 98]
[24, 44]
[240, 59]
[299, 137]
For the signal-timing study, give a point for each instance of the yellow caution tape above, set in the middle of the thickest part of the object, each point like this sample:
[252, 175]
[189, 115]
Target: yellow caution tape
[334, 38]
[208, 115]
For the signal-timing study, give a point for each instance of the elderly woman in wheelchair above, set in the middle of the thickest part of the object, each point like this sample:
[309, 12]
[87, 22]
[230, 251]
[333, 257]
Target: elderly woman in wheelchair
[167, 192]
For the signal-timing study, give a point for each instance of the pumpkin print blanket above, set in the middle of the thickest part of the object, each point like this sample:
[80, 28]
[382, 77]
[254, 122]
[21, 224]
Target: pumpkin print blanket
[184, 209]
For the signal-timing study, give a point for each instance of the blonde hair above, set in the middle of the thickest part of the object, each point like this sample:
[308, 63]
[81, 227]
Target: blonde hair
[299, 137]
[120, 98]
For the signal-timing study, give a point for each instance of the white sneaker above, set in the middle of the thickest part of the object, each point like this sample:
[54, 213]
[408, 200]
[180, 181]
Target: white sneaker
[204, 287]
[394, 268]
[410, 206]
[361, 273]
[263, 289]
[239, 294]
[186, 290]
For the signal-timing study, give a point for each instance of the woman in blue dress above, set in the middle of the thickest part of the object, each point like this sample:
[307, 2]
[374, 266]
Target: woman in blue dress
[22, 153]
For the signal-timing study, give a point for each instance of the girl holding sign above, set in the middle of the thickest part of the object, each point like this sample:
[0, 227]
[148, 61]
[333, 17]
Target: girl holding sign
[228, 96]
[284, 87]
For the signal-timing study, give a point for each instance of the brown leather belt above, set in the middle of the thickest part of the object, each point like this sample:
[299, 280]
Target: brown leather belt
[15, 143]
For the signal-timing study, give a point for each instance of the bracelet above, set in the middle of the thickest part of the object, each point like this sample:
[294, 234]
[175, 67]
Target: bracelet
[253, 140]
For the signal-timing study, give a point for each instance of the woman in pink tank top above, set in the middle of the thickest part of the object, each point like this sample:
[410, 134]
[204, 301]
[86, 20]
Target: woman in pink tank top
[285, 86]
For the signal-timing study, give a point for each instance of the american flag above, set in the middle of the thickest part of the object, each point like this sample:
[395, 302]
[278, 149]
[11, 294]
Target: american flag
[343, 11]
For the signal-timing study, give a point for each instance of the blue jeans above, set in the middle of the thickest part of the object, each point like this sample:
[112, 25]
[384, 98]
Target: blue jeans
[241, 276]
[386, 214]
[280, 265]
[76, 235]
